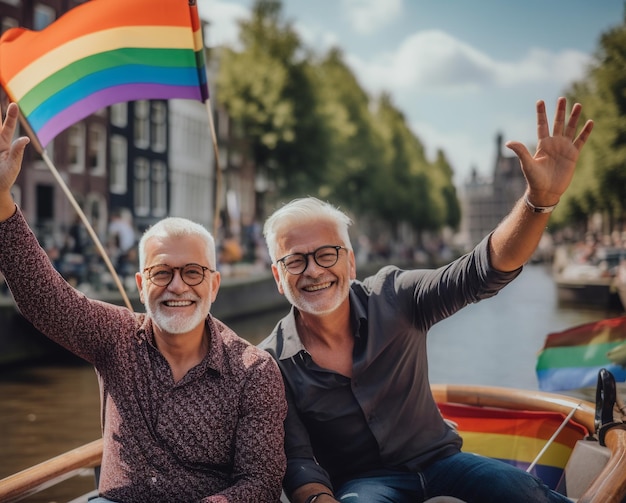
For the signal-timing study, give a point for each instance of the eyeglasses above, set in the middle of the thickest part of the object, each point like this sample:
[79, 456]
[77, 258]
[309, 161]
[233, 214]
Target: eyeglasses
[324, 256]
[163, 274]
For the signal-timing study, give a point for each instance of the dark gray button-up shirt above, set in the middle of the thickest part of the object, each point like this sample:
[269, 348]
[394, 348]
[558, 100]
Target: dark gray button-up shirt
[384, 417]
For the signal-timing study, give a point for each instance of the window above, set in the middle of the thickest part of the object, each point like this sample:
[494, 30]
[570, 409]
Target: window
[76, 148]
[159, 189]
[95, 211]
[119, 165]
[159, 126]
[119, 114]
[43, 16]
[142, 187]
[96, 150]
[45, 203]
[142, 124]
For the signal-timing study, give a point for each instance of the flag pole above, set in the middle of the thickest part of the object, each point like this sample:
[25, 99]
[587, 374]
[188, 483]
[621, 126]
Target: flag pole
[44, 155]
[553, 437]
[218, 170]
[201, 49]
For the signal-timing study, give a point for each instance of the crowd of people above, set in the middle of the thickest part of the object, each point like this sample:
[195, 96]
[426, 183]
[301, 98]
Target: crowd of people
[335, 405]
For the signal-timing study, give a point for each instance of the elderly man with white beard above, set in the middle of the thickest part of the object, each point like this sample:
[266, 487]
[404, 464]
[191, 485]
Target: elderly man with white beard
[190, 411]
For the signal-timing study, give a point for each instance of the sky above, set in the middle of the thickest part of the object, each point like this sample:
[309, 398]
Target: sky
[462, 72]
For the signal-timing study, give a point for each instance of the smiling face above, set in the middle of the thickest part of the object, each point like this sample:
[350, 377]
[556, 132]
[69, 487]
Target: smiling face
[178, 308]
[318, 290]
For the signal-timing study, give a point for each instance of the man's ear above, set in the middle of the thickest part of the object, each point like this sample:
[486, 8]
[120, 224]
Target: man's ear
[216, 280]
[139, 281]
[279, 283]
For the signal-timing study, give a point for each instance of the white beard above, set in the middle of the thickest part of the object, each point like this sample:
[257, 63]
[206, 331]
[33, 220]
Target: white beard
[318, 307]
[176, 323]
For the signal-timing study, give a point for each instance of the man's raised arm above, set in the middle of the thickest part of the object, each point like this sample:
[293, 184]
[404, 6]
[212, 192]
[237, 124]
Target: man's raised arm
[548, 173]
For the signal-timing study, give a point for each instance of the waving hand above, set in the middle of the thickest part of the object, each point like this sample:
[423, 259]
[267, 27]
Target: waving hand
[550, 170]
[11, 155]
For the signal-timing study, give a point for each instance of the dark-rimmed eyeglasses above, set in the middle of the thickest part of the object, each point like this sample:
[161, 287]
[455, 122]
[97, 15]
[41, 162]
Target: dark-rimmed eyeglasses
[324, 256]
[163, 274]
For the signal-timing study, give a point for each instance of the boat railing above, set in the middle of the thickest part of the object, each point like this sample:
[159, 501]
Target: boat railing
[53, 471]
[609, 487]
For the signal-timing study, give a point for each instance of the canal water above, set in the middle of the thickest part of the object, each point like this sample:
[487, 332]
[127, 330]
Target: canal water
[48, 409]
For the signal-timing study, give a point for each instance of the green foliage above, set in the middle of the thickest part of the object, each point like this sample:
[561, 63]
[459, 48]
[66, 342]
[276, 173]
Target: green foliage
[308, 124]
[266, 90]
[313, 129]
[600, 181]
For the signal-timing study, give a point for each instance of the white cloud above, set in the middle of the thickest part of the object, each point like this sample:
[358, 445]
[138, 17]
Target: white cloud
[316, 37]
[369, 16]
[223, 17]
[541, 65]
[455, 96]
[435, 60]
[427, 60]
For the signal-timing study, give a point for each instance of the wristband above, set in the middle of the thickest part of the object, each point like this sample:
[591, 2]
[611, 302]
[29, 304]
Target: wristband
[539, 209]
[313, 497]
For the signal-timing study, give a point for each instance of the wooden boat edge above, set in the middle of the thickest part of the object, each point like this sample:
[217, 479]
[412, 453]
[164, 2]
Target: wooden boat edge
[608, 487]
[517, 399]
[50, 472]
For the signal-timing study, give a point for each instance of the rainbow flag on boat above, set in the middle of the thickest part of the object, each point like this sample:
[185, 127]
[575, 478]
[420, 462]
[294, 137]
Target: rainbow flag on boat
[572, 358]
[517, 437]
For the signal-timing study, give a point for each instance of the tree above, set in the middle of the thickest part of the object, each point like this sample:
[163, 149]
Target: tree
[266, 91]
[600, 181]
[609, 77]
[315, 131]
[444, 176]
[355, 152]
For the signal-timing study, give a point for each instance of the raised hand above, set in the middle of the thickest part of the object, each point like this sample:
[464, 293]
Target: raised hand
[550, 170]
[11, 155]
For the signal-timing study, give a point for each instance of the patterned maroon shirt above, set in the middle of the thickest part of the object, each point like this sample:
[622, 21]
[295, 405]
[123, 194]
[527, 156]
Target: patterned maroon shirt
[215, 436]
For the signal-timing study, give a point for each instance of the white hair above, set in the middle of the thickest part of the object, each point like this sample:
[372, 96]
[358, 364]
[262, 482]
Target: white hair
[299, 212]
[172, 227]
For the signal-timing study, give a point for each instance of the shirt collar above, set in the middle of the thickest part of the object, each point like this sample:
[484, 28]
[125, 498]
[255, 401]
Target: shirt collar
[287, 331]
[288, 335]
[215, 357]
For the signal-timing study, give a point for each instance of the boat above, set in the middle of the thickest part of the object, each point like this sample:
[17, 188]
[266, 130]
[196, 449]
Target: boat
[595, 469]
[589, 283]
[576, 287]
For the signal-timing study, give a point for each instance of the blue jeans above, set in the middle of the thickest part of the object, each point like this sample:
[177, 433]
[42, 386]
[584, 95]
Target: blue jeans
[471, 478]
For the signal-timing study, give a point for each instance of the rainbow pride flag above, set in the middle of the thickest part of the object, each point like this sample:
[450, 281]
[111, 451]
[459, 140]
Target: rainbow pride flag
[517, 437]
[572, 358]
[100, 53]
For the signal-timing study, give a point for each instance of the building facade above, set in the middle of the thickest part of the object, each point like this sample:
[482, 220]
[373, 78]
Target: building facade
[486, 201]
[147, 158]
